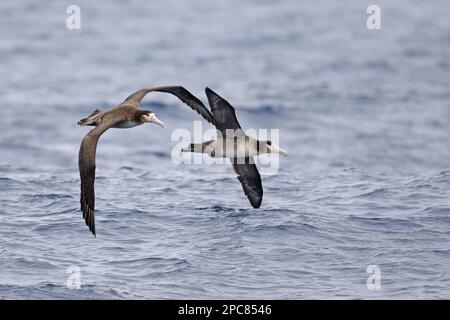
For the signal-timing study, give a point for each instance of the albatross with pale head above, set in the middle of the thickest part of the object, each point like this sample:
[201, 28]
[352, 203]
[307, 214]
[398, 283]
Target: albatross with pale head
[126, 115]
[234, 144]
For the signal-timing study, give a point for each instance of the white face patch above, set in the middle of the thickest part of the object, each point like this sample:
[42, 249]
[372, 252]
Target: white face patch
[148, 117]
[153, 119]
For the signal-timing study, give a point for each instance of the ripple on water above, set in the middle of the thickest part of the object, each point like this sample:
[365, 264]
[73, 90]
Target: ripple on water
[366, 182]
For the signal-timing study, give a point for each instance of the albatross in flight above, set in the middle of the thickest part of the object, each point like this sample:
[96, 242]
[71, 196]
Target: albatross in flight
[125, 115]
[234, 144]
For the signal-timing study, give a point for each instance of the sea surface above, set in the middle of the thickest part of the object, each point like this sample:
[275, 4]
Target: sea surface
[364, 115]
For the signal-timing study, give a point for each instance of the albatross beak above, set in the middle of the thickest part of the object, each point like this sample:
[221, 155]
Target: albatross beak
[283, 152]
[155, 120]
[276, 149]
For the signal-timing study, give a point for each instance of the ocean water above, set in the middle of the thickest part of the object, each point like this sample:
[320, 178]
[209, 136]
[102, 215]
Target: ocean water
[364, 115]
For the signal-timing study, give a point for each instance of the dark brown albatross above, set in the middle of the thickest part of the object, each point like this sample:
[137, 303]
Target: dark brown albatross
[234, 144]
[125, 115]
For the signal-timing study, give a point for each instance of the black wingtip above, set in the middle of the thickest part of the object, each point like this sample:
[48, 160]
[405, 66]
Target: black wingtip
[213, 97]
[92, 228]
[257, 204]
[89, 219]
[210, 93]
[255, 201]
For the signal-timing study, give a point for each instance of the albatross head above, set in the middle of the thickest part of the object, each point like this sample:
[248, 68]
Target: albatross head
[150, 117]
[270, 147]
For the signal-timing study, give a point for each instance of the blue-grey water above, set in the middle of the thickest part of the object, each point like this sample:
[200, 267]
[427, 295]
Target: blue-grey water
[364, 115]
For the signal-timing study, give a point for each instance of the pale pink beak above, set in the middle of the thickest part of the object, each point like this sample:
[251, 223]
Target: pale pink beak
[155, 120]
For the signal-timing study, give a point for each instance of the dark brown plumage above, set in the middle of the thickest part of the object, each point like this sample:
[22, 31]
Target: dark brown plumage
[249, 177]
[125, 115]
[247, 172]
[178, 91]
[227, 124]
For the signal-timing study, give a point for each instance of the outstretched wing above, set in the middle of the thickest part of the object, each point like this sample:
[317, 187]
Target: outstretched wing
[248, 175]
[86, 165]
[223, 112]
[178, 91]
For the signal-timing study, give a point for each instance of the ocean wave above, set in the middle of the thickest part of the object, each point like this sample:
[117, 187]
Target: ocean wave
[366, 181]
[50, 196]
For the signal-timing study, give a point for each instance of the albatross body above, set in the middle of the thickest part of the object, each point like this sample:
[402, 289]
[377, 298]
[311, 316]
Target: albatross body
[234, 144]
[126, 115]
